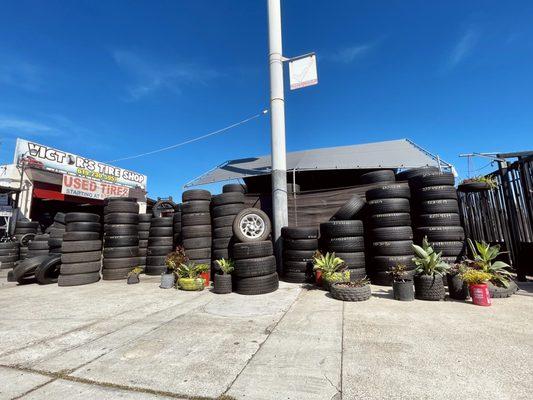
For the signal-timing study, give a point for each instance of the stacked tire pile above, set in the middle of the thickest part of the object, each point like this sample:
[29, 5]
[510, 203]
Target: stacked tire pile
[160, 244]
[38, 246]
[196, 225]
[379, 176]
[24, 231]
[224, 209]
[299, 246]
[143, 229]
[255, 268]
[43, 269]
[437, 214]
[234, 187]
[9, 253]
[346, 239]
[121, 237]
[390, 230]
[55, 232]
[81, 250]
[177, 226]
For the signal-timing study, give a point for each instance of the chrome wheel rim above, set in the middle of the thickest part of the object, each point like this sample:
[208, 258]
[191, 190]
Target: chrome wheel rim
[252, 226]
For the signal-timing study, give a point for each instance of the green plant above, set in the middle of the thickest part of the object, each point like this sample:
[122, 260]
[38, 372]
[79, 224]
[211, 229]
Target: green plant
[226, 266]
[475, 276]
[457, 269]
[191, 270]
[483, 259]
[175, 259]
[135, 271]
[427, 261]
[340, 276]
[399, 273]
[327, 264]
[491, 182]
[357, 283]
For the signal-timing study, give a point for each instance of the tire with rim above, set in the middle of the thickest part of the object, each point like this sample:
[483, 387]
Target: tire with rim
[247, 250]
[257, 285]
[351, 209]
[78, 279]
[251, 225]
[333, 229]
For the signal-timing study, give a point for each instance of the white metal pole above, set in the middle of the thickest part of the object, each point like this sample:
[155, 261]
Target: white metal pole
[277, 122]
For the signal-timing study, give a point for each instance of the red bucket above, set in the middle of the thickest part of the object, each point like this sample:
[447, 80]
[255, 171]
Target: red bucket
[206, 276]
[318, 277]
[480, 295]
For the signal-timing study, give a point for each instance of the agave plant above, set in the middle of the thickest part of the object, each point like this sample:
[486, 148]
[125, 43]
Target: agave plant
[483, 259]
[475, 276]
[191, 270]
[226, 266]
[427, 261]
[327, 264]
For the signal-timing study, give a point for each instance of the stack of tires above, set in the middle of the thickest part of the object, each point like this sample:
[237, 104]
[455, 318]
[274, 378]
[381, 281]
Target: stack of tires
[346, 240]
[196, 225]
[121, 237]
[234, 187]
[390, 230]
[255, 268]
[81, 250]
[24, 231]
[379, 176]
[143, 228]
[299, 246]
[38, 246]
[224, 209]
[437, 214]
[56, 231]
[9, 253]
[177, 226]
[160, 244]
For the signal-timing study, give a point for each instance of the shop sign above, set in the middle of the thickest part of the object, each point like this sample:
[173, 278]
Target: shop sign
[39, 156]
[88, 188]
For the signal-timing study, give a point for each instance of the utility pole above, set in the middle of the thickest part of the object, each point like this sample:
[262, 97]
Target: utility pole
[277, 125]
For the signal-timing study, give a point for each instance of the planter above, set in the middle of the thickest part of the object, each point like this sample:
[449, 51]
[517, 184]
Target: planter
[403, 291]
[457, 288]
[498, 292]
[191, 284]
[132, 279]
[337, 277]
[429, 287]
[480, 295]
[222, 284]
[473, 187]
[167, 281]
[318, 278]
[347, 293]
[206, 276]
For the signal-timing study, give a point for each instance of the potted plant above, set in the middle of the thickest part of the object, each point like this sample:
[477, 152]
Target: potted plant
[457, 287]
[478, 184]
[189, 276]
[173, 261]
[133, 275]
[484, 258]
[402, 284]
[328, 269]
[429, 272]
[223, 277]
[357, 290]
[477, 284]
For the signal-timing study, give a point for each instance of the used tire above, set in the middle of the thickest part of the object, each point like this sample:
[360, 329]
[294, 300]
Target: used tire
[121, 241]
[121, 252]
[48, 271]
[392, 219]
[385, 206]
[298, 255]
[115, 274]
[80, 268]
[83, 227]
[227, 198]
[257, 285]
[251, 225]
[199, 254]
[399, 247]
[121, 207]
[392, 233]
[196, 194]
[81, 246]
[299, 232]
[234, 187]
[197, 243]
[353, 259]
[300, 244]
[253, 267]
[224, 221]
[347, 244]
[189, 232]
[382, 175]
[392, 191]
[160, 241]
[161, 231]
[433, 179]
[77, 236]
[411, 173]
[439, 206]
[196, 219]
[161, 222]
[227, 209]
[127, 262]
[252, 250]
[333, 229]
[78, 279]
[443, 219]
[196, 206]
[121, 218]
[81, 257]
[350, 209]
[441, 233]
[449, 249]
[81, 217]
[437, 193]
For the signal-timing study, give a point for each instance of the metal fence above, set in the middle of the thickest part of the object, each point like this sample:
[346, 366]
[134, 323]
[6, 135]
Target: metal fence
[504, 215]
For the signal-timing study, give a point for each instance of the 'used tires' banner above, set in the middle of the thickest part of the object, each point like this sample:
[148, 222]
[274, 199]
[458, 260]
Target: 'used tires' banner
[83, 187]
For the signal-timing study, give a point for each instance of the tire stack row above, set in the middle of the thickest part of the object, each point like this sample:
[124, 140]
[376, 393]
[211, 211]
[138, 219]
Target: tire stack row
[81, 250]
[38, 246]
[437, 214]
[299, 246]
[346, 240]
[391, 234]
[177, 226]
[56, 231]
[9, 253]
[255, 268]
[24, 227]
[196, 225]
[143, 228]
[224, 209]
[160, 244]
[121, 237]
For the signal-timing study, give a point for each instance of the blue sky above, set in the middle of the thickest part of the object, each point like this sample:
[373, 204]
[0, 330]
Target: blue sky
[111, 79]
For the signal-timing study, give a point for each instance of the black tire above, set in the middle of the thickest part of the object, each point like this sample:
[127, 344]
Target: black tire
[224, 232]
[48, 271]
[196, 219]
[142, 244]
[392, 219]
[196, 194]
[143, 226]
[82, 246]
[81, 217]
[437, 193]
[473, 187]
[333, 229]
[444, 219]
[121, 218]
[297, 266]
[227, 198]
[114, 199]
[351, 209]
[8, 259]
[222, 243]
[87, 256]
[221, 253]
[247, 250]
[80, 268]
[57, 233]
[83, 227]
[27, 267]
[395, 248]
[441, 233]
[382, 175]
[234, 187]
[145, 217]
[159, 251]
[41, 238]
[155, 270]
[411, 173]
[195, 207]
[224, 221]
[300, 244]
[257, 285]
[347, 244]
[121, 230]
[298, 255]
[449, 249]
[297, 233]
[244, 214]
[189, 232]
[143, 235]
[77, 236]
[161, 231]
[22, 231]
[162, 222]
[24, 224]
[127, 262]
[121, 241]
[195, 254]
[115, 274]
[121, 207]
[352, 260]
[384, 263]
[197, 243]
[295, 277]
[439, 206]
[121, 252]
[78, 279]
[357, 273]
[433, 179]
[8, 265]
[160, 241]
[177, 215]
[392, 233]
[9, 245]
[251, 267]
[38, 245]
[227, 209]
[392, 191]
[222, 284]
[60, 218]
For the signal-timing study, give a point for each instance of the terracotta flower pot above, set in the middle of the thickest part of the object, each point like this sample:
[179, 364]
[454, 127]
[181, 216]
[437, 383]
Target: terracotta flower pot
[206, 276]
[480, 295]
[318, 277]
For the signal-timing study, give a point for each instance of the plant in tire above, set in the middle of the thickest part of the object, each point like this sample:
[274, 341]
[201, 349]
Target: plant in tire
[429, 272]
[189, 276]
[357, 290]
[173, 261]
[329, 268]
[133, 275]
[223, 279]
[402, 284]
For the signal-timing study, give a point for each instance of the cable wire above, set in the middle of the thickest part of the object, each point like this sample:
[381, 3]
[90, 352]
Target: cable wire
[264, 112]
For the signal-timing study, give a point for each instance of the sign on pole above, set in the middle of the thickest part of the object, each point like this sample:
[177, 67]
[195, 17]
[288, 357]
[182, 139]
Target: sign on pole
[302, 72]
